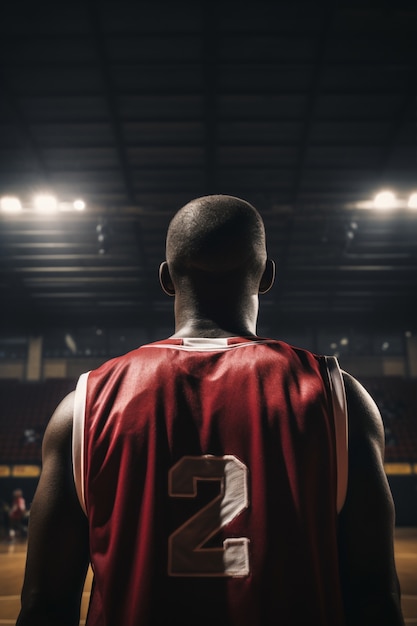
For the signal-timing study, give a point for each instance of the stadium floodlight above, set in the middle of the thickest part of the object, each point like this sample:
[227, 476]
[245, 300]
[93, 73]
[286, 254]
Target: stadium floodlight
[45, 203]
[385, 200]
[412, 201]
[79, 205]
[10, 204]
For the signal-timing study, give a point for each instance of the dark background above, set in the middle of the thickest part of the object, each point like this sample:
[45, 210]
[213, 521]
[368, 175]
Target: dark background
[304, 109]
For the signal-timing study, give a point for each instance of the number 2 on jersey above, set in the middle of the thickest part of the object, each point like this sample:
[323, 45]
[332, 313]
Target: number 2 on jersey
[186, 553]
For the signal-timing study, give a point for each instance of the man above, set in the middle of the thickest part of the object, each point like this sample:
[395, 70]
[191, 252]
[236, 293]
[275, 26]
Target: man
[206, 475]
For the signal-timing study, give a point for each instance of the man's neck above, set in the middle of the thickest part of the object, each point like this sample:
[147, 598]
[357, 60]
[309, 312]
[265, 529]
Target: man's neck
[219, 317]
[209, 329]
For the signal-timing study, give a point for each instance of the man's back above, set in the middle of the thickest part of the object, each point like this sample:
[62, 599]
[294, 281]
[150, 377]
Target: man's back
[213, 476]
[210, 474]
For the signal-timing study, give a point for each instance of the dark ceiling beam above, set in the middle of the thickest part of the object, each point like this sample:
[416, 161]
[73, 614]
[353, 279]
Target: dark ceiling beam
[406, 112]
[322, 38]
[24, 128]
[261, 62]
[109, 91]
[314, 91]
[109, 94]
[210, 71]
[190, 118]
[183, 91]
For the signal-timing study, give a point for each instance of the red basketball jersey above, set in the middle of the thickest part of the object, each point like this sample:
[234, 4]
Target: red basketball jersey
[211, 472]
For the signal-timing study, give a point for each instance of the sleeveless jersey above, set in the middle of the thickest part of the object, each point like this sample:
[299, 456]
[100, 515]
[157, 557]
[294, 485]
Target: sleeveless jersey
[211, 472]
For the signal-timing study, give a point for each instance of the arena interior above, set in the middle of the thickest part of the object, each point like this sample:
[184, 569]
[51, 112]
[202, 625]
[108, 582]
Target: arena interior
[114, 115]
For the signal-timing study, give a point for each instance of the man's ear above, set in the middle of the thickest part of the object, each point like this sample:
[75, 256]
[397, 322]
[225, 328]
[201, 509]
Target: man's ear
[268, 277]
[166, 280]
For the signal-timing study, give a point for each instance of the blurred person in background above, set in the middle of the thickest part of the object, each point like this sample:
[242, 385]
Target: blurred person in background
[18, 515]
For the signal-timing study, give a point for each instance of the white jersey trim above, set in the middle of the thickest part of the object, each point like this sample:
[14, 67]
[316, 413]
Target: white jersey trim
[200, 344]
[205, 342]
[78, 438]
[337, 388]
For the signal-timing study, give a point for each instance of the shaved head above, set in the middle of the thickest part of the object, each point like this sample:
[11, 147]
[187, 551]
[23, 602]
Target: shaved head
[216, 266]
[216, 234]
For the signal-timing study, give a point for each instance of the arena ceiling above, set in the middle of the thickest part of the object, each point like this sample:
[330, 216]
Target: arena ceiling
[307, 110]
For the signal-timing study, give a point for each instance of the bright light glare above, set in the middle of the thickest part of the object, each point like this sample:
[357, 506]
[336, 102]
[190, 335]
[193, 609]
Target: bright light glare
[45, 203]
[412, 201]
[10, 204]
[79, 205]
[385, 200]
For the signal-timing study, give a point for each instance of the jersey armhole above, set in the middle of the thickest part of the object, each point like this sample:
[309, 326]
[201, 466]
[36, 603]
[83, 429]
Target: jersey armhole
[78, 438]
[338, 394]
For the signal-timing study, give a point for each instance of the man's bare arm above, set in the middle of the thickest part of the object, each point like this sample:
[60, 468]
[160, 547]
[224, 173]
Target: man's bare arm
[367, 520]
[57, 558]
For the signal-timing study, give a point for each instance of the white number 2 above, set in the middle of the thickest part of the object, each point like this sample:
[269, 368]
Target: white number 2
[186, 554]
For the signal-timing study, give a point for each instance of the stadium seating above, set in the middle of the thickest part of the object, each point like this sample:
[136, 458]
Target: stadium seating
[25, 411]
[27, 406]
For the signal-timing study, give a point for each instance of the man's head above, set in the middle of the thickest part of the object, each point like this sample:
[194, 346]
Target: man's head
[216, 244]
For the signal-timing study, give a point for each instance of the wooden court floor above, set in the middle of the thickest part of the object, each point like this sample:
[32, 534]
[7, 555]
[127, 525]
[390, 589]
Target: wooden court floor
[12, 562]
